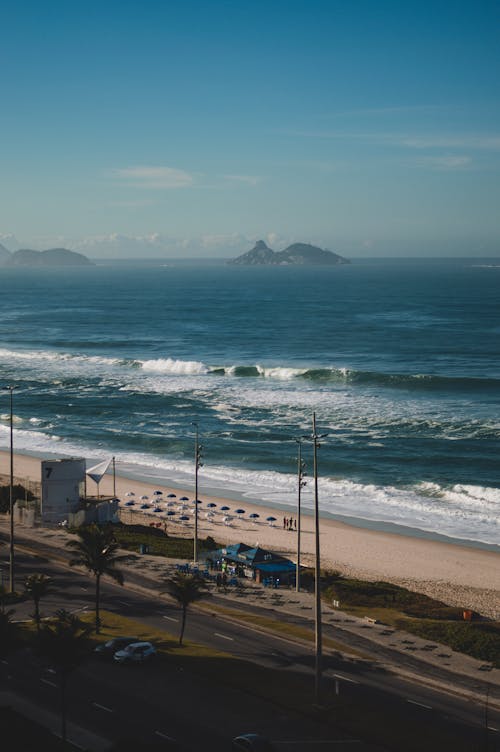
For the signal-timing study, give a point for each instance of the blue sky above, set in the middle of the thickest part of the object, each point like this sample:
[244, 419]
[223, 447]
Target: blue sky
[194, 128]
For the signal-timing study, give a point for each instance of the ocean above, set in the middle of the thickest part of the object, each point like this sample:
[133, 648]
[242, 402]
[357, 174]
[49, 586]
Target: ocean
[398, 359]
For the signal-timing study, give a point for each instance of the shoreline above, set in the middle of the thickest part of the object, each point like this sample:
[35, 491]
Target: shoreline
[458, 574]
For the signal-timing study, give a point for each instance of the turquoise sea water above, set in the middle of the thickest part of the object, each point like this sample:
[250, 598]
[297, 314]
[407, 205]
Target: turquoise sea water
[400, 361]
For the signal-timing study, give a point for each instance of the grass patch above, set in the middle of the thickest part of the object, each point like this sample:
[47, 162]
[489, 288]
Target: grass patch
[418, 614]
[131, 537]
[479, 639]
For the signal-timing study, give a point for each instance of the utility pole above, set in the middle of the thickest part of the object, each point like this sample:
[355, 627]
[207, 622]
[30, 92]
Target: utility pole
[315, 437]
[197, 464]
[114, 479]
[11, 493]
[301, 465]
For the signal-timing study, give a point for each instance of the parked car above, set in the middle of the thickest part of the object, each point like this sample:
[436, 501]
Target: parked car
[137, 652]
[109, 648]
[252, 743]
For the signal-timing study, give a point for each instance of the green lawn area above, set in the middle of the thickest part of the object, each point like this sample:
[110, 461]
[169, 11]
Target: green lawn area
[417, 614]
[131, 537]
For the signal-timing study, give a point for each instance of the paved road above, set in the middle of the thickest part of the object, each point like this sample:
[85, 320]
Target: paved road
[357, 683]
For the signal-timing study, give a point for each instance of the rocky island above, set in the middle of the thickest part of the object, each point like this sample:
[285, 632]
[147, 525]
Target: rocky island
[50, 257]
[297, 254]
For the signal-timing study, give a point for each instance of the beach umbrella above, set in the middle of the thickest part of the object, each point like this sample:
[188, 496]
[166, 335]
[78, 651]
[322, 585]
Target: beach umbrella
[211, 505]
[130, 493]
[240, 511]
[144, 506]
[129, 503]
[170, 503]
[184, 498]
[171, 496]
[197, 501]
[157, 509]
[170, 513]
[143, 498]
[270, 519]
[184, 518]
[157, 493]
[254, 516]
[225, 509]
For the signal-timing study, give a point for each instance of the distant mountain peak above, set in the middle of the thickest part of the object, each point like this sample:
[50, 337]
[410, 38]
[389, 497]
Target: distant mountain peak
[299, 254]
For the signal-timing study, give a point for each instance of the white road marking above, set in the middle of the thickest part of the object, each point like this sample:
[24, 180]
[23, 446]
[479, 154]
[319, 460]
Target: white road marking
[50, 683]
[420, 704]
[492, 728]
[164, 736]
[224, 637]
[102, 707]
[346, 678]
[6, 663]
[51, 671]
[170, 618]
[124, 603]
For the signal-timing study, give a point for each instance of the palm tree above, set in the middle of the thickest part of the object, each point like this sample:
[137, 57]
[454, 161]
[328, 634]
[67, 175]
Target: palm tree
[37, 586]
[96, 551]
[8, 630]
[65, 643]
[185, 589]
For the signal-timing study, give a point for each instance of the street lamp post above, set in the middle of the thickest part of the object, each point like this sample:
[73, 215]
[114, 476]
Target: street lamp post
[11, 493]
[197, 464]
[301, 465]
[315, 437]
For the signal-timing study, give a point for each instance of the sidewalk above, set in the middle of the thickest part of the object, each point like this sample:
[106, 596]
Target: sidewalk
[153, 570]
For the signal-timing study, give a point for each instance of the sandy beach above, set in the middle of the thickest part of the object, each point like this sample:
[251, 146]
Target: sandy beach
[459, 575]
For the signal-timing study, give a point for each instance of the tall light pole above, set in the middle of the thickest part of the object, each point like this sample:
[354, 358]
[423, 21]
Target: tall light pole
[197, 464]
[301, 465]
[315, 437]
[11, 492]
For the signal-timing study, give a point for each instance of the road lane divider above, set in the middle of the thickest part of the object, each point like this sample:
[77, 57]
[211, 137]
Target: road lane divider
[420, 704]
[224, 637]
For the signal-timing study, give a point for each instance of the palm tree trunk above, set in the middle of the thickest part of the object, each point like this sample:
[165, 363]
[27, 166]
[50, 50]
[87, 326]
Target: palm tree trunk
[183, 624]
[37, 616]
[97, 599]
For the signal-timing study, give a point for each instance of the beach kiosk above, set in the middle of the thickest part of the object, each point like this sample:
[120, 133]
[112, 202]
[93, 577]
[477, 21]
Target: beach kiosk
[63, 485]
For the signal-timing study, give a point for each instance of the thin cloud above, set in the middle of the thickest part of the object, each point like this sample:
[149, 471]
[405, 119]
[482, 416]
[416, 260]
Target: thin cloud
[444, 163]
[447, 141]
[246, 179]
[156, 178]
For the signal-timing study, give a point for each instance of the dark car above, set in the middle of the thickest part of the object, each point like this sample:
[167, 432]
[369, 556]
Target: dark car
[252, 743]
[108, 649]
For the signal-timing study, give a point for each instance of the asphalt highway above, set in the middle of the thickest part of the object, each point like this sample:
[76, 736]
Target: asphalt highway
[110, 700]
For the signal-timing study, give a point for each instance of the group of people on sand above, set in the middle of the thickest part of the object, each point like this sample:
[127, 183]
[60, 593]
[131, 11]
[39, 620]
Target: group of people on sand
[289, 523]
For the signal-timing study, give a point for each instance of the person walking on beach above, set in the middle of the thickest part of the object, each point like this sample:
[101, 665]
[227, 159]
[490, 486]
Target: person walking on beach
[285, 521]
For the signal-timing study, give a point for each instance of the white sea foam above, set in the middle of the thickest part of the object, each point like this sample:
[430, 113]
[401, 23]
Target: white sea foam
[174, 367]
[284, 374]
[459, 511]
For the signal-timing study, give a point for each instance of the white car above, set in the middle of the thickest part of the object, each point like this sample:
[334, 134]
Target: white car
[137, 652]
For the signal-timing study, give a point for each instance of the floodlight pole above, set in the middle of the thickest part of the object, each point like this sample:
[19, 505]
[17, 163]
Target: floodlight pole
[317, 585]
[197, 465]
[114, 478]
[11, 494]
[300, 485]
[317, 588]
